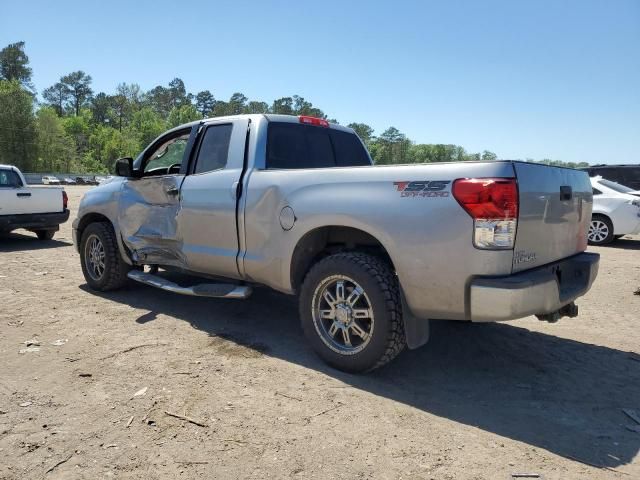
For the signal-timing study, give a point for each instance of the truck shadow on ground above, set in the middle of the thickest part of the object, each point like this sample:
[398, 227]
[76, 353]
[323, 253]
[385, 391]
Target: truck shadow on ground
[15, 242]
[553, 393]
[625, 244]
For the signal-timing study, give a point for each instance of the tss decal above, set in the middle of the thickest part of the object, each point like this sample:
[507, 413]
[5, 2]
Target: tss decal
[423, 188]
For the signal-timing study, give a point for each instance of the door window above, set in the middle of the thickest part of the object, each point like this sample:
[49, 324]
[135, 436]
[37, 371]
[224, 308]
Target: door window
[167, 157]
[214, 148]
[9, 179]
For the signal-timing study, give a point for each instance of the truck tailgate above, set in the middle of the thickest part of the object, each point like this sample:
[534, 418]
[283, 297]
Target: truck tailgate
[554, 214]
[30, 199]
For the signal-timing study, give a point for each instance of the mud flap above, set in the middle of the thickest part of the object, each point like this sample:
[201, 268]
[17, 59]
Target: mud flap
[416, 330]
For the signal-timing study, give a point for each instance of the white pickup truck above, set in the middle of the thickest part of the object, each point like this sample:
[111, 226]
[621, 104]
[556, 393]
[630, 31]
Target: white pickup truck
[38, 209]
[294, 203]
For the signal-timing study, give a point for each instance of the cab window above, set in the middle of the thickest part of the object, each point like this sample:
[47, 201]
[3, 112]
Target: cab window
[9, 179]
[166, 158]
[214, 148]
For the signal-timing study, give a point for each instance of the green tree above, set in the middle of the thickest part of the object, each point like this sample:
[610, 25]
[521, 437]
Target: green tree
[78, 85]
[283, 106]
[257, 107]
[183, 114]
[205, 102]
[100, 105]
[148, 125]
[364, 131]
[79, 129]
[56, 149]
[488, 156]
[17, 126]
[14, 64]
[392, 147]
[237, 104]
[106, 145]
[303, 107]
[57, 95]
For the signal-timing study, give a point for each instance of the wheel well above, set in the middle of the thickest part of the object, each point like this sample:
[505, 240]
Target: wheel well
[88, 219]
[325, 241]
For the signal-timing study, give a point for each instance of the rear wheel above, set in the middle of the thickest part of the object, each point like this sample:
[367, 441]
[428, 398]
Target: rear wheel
[351, 312]
[45, 234]
[600, 230]
[102, 266]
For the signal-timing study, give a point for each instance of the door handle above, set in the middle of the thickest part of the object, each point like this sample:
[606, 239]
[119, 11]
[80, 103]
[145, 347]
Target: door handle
[23, 194]
[173, 191]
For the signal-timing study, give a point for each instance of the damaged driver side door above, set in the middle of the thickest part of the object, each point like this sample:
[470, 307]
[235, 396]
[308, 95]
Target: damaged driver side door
[149, 203]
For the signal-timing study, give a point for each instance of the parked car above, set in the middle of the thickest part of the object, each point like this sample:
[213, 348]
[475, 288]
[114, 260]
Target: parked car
[80, 181]
[69, 181]
[35, 208]
[50, 180]
[616, 212]
[628, 175]
[105, 179]
[294, 203]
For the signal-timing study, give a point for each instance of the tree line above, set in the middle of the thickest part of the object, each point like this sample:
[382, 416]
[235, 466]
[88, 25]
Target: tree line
[72, 128]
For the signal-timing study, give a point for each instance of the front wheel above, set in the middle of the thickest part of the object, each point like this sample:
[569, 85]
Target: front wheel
[102, 266]
[351, 312]
[600, 230]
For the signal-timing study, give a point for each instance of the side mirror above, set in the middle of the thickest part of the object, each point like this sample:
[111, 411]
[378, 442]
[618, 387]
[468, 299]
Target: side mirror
[124, 167]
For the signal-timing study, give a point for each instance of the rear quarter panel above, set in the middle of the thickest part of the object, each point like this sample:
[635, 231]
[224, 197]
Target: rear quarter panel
[429, 239]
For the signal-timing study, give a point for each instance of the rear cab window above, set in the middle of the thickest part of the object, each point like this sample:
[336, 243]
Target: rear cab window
[297, 146]
[9, 179]
[214, 148]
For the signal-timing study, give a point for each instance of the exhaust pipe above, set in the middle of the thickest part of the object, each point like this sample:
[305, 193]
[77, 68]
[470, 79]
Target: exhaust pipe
[570, 310]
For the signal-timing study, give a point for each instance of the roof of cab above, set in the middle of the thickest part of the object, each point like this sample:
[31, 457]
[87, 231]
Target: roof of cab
[271, 117]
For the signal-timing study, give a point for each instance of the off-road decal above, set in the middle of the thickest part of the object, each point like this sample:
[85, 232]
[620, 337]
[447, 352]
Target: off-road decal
[423, 188]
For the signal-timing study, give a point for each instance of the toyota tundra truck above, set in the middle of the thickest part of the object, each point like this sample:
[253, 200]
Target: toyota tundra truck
[35, 208]
[373, 252]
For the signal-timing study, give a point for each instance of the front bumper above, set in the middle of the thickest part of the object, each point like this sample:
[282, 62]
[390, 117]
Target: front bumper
[537, 291]
[34, 221]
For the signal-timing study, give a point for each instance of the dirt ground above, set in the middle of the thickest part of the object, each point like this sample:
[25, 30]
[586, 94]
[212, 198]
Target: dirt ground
[478, 402]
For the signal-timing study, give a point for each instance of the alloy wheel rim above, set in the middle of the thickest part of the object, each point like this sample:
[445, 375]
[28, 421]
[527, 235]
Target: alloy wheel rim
[598, 231]
[94, 255]
[343, 315]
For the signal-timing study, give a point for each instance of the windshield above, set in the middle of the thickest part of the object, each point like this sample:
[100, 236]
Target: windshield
[616, 186]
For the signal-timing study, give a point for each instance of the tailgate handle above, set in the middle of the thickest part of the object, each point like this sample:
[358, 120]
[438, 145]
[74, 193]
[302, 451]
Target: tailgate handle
[566, 192]
[23, 194]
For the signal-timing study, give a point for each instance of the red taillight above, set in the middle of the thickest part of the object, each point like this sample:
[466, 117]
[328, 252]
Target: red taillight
[65, 200]
[487, 198]
[319, 122]
[493, 205]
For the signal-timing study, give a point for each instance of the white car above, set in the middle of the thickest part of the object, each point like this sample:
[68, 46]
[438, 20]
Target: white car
[50, 180]
[616, 212]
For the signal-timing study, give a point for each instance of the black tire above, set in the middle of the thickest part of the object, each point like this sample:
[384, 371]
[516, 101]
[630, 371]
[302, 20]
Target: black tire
[379, 290]
[45, 234]
[600, 230]
[113, 273]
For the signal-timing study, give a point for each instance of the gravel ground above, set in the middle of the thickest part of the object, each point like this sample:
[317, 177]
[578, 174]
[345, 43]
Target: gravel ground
[248, 399]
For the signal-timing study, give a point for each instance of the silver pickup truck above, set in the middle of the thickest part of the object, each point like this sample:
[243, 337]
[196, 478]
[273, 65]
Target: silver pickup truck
[373, 252]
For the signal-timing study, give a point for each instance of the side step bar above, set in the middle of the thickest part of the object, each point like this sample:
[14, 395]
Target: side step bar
[216, 290]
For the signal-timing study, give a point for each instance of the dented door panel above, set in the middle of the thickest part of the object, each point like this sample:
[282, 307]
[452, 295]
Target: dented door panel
[147, 216]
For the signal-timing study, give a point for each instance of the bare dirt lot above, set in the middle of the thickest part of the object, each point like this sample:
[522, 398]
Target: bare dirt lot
[478, 402]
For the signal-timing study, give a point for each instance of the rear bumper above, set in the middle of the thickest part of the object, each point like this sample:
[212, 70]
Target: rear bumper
[537, 291]
[33, 221]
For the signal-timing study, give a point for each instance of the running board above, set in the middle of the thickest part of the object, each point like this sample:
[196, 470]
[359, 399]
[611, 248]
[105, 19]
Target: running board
[216, 290]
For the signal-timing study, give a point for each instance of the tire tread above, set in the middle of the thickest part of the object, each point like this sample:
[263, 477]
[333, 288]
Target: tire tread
[388, 283]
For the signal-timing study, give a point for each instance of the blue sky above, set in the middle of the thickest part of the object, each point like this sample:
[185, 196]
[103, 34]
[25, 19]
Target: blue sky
[525, 79]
